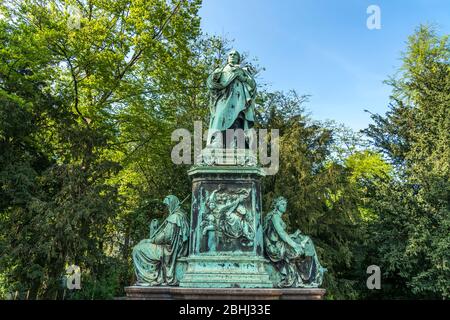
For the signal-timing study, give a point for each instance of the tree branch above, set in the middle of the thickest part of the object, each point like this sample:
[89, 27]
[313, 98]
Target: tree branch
[138, 54]
[75, 82]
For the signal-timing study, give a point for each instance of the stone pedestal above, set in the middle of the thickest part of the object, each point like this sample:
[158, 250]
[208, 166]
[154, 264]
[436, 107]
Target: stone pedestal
[176, 293]
[226, 249]
[226, 240]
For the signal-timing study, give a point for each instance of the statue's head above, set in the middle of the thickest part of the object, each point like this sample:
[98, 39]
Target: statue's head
[172, 203]
[241, 210]
[234, 57]
[212, 205]
[279, 204]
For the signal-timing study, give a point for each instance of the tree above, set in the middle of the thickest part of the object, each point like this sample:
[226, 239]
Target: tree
[411, 235]
[322, 201]
[66, 85]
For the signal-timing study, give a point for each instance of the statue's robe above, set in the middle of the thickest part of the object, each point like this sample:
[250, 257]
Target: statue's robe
[231, 99]
[155, 258]
[299, 268]
[236, 226]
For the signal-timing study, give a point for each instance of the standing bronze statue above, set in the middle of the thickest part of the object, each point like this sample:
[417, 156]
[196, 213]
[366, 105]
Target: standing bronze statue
[233, 90]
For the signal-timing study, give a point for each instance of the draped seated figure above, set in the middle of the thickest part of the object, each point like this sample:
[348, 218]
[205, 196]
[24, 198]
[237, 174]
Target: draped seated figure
[293, 255]
[155, 258]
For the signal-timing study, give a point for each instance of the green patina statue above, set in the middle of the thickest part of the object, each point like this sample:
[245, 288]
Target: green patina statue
[227, 222]
[232, 90]
[155, 259]
[226, 244]
[293, 255]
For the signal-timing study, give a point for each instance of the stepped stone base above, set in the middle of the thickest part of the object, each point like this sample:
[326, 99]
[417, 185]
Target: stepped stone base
[177, 293]
[226, 272]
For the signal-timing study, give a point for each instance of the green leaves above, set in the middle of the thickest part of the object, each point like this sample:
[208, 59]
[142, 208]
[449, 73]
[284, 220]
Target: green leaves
[412, 232]
[322, 200]
[83, 86]
[90, 92]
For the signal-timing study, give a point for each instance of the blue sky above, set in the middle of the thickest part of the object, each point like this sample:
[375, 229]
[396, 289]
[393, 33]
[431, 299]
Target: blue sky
[323, 47]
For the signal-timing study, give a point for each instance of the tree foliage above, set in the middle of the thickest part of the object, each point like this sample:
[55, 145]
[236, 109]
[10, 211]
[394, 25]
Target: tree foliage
[66, 91]
[411, 236]
[90, 92]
